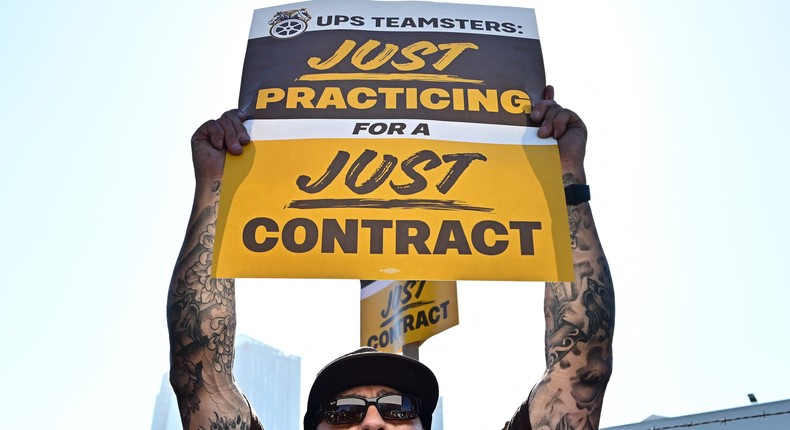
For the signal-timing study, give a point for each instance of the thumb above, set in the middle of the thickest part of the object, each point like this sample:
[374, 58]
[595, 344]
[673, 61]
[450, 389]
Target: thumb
[548, 93]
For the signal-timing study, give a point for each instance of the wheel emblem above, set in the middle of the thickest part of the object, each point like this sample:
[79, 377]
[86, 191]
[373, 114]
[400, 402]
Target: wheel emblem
[289, 23]
[288, 28]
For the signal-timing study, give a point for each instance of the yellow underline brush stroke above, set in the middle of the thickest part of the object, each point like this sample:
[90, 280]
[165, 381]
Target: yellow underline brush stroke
[386, 77]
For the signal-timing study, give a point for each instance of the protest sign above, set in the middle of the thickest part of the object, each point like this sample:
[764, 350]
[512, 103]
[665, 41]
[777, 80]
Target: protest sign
[391, 140]
[396, 313]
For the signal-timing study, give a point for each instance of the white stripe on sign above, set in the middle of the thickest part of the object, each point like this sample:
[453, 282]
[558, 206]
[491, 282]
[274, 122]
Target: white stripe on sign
[299, 129]
[404, 16]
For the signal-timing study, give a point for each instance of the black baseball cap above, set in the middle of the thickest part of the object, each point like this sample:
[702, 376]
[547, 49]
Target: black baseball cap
[368, 366]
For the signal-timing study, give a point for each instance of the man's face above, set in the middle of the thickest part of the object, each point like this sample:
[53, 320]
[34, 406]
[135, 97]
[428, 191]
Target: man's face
[372, 420]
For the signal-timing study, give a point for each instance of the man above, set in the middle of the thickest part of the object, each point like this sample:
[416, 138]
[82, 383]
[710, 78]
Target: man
[373, 390]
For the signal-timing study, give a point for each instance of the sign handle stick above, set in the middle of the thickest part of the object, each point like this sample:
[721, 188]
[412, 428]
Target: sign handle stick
[412, 350]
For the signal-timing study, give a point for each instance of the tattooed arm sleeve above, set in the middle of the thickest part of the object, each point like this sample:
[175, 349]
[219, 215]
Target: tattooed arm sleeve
[579, 328]
[579, 314]
[201, 314]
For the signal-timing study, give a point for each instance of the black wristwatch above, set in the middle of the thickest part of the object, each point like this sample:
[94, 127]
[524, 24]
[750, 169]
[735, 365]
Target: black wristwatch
[577, 193]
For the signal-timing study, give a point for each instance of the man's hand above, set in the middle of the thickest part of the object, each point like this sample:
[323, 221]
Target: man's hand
[212, 139]
[569, 130]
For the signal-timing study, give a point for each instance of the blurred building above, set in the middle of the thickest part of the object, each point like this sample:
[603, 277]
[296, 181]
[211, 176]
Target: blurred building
[269, 378]
[438, 416]
[757, 416]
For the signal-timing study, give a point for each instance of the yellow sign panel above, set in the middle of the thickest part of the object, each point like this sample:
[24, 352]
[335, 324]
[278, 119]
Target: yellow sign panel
[396, 313]
[392, 149]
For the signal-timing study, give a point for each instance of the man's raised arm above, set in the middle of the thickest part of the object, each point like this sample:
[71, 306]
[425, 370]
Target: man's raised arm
[579, 314]
[201, 313]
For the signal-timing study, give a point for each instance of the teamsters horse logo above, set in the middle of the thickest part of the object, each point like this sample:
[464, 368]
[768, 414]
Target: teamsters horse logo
[289, 23]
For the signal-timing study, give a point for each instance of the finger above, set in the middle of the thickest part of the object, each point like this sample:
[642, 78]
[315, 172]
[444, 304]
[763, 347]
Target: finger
[547, 126]
[541, 106]
[243, 116]
[548, 93]
[237, 119]
[540, 109]
[230, 136]
[560, 122]
[214, 134]
[238, 124]
[202, 132]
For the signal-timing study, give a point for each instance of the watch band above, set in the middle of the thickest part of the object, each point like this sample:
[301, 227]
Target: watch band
[576, 194]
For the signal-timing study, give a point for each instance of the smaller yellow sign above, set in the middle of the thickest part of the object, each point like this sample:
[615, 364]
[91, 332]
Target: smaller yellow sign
[396, 313]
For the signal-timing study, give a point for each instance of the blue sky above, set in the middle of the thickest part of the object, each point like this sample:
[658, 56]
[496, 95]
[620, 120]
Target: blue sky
[685, 103]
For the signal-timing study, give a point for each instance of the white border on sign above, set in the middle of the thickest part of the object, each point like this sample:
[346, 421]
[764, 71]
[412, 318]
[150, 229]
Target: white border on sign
[299, 129]
[370, 14]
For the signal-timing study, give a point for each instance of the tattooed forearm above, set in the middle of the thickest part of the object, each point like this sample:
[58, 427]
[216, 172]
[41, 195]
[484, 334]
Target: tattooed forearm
[200, 314]
[577, 311]
[579, 329]
[575, 315]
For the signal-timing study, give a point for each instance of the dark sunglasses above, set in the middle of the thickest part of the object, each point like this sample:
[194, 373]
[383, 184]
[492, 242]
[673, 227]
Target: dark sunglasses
[347, 410]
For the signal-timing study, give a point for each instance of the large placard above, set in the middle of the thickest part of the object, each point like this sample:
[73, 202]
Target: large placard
[391, 140]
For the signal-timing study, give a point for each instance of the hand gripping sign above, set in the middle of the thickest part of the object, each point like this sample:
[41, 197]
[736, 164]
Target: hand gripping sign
[391, 140]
